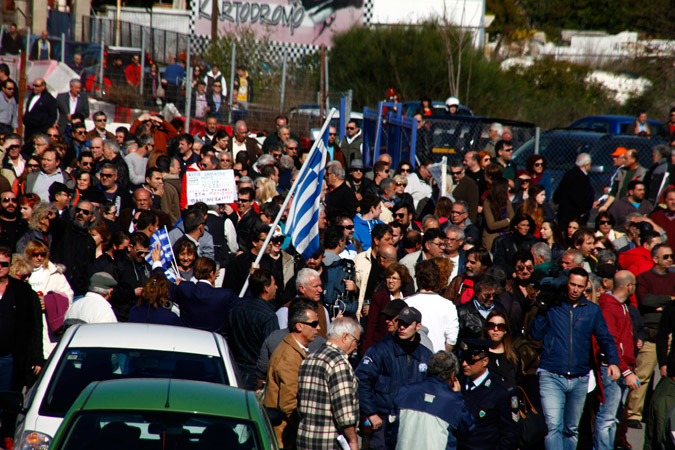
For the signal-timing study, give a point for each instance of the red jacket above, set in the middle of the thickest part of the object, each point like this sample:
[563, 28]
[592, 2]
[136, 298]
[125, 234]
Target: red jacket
[621, 328]
[637, 260]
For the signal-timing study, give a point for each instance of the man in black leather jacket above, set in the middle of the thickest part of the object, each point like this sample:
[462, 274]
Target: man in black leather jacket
[472, 314]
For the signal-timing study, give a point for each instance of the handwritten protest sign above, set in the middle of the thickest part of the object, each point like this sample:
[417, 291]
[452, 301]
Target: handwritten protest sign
[211, 187]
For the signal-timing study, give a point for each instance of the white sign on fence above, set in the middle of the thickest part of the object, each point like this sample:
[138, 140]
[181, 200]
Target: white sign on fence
[211, 187]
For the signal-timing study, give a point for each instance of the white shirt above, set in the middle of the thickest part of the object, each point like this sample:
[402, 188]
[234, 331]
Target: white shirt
[73, 103]
[282, 316]
[236, 148]
[439, 315]
[455, 267]
[33, 101]
[92, 308]
[417, 188]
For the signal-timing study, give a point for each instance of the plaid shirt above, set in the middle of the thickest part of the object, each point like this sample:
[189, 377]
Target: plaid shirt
[327, 398]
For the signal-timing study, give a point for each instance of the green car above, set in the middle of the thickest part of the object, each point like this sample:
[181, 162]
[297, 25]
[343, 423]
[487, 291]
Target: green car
[164, 414]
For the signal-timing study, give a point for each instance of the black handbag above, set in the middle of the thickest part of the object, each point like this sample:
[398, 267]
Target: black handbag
[533, 427]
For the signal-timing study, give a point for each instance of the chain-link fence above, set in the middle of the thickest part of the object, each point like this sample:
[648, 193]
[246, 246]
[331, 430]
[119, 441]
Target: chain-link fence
[560, 147]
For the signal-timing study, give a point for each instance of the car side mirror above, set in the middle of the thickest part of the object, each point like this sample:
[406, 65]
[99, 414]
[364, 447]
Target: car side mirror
[275, 415]
[12, 401]
[597, 169]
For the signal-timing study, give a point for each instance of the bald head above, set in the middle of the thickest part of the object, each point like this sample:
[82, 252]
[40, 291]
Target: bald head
[623, 278]
[387, 254]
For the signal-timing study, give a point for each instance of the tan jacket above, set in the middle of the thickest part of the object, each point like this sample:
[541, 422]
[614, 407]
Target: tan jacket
[362, 265]
[281, 390]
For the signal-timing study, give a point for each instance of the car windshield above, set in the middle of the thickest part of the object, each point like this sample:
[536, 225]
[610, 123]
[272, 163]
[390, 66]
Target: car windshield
[108, 430]
[80, 366]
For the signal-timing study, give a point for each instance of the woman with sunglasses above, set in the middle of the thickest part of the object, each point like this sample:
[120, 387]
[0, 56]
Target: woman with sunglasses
[404, 168]
[536, 167]
[503, 359]
[604, 226]
[484, 159]
[46, 277]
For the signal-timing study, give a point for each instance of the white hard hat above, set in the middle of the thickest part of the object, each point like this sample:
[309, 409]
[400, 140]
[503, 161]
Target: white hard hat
[452, 101]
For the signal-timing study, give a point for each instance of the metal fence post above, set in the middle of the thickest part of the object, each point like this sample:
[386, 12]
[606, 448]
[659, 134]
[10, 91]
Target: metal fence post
[188, 87]
[101, 85]
[283, 82]
[140, 87]
[348, 111]
[537, 134]
[234, 56]
[63, 47]
[28, 44]
[343, 117]
[327, 86]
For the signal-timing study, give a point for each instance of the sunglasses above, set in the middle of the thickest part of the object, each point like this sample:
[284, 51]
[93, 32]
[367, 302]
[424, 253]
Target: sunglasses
[84, 212]
[604, 222]
[88, 164]
[101, 120]
[667, 256]
[9, 89]
[528, 268]
[292, 148]
[491, 326]
[351, 128]
[332, 134]
[400, 184]
[142, 252]
[405, 170]
[38, 85]
[4, 263]
[39, 254]
[456, 173]
[243, 200]
[313, 324]
[348, 227]
[53, 135]
[538, 164]
[277, 240]
[357, 170]
[12, 147]
[9, 199]
[81, 133]
[399, 215]
[33, 166]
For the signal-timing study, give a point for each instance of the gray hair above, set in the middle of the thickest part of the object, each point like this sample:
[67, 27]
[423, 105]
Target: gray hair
[606, 257]
[336, 168]
[343, 325]
[264, 160]
[286, 162]
[284, 127]
[146, 139]
[456, 229]
[386, 185]
[75, 80]
[463, 204]
[245, 179]
[662, 150]
[99, 290]
[289, 140]
[498, 128]
[576, 254]
[112, 145]
[583, 159]
[443, 365]
[541, 250]
[40, 211]
[303, 277]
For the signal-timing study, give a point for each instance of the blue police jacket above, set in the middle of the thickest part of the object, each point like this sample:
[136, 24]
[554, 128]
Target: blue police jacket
[567, 331]
[384, 369]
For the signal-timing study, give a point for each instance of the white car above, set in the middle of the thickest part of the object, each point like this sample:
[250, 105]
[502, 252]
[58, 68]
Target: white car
[115, 351]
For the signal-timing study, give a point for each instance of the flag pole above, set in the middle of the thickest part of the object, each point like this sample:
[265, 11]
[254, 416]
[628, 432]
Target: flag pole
[303, 169]
[174, 264]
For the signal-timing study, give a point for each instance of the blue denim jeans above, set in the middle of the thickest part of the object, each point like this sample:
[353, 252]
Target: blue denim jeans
[562, 400]
[608, 413]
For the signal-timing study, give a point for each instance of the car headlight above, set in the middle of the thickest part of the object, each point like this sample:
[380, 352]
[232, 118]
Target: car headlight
[34, 440]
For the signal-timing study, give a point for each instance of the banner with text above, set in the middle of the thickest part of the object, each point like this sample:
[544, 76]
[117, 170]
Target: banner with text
[211, 187]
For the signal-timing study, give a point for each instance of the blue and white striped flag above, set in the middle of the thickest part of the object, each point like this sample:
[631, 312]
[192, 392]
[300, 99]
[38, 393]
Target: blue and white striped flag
[303, 217]
[167, 258]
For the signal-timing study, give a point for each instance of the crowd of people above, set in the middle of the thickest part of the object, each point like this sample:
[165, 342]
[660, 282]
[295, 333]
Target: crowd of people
[425, 319]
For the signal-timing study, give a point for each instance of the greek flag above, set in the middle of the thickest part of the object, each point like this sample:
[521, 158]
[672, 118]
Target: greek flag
[161, 236]
[303, 217]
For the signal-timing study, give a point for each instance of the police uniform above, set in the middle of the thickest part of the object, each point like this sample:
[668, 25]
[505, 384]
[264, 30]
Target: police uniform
[493, 405]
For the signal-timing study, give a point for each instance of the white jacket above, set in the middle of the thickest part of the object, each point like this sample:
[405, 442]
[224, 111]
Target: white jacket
[50, 279]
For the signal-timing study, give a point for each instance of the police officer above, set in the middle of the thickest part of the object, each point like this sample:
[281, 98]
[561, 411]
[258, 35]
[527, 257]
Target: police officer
[490, 400]
[389, 364]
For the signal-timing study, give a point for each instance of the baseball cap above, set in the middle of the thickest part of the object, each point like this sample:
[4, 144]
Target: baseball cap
[619, 151]
[409, 315]
[393, 308]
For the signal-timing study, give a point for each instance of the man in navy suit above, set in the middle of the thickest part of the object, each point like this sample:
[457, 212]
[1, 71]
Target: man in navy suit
[40, 112]
[203, 306]
[69, 103]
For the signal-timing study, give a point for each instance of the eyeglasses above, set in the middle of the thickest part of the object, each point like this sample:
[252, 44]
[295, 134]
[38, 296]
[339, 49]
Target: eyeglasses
[348, 227]
[4, 263]
[459, 172]
[332, 134]
[12, 147]
[278, 240]
[357, 170]
[101, 120]
[488, 295]
[402, 170]
[9, 199]
[38, 85]
[491, 326]
[53, 135]
[39, 254]
[355, 340]
[525, 267]
[604, 222]
[313, 324]
[399, 215]
[291, 148]
[87, 164]
[243, 200]
[538, 164]
[84, 212]
[667, 256]
[401, 184]
[106, 175]
[351, 128]
[140, 251]
[457, 212]
[80, 133]
[33, 166]
[9, 89]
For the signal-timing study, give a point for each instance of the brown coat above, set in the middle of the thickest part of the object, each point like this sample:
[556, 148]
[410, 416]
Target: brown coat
[252, 148]
[281, 390]
[93, 134]
[494, 226]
